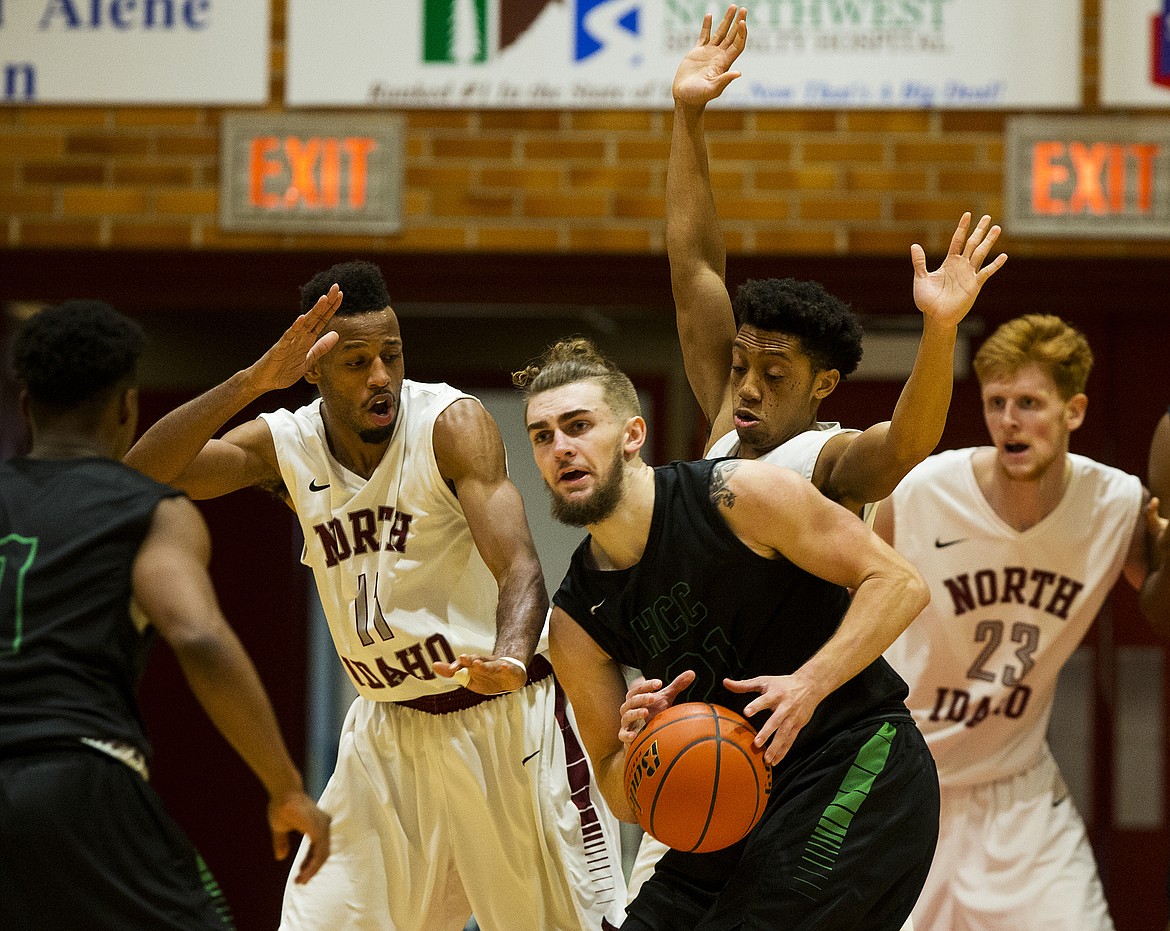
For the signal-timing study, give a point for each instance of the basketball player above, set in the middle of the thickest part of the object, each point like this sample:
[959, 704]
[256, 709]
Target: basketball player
[1021, 542]
[446, 800]
[95, 559]
[760, 385]
[729, 577]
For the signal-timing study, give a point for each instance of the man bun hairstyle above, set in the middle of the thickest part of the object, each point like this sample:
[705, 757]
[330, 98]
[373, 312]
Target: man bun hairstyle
[72, 352]
[1044, 339]
[828, 329]
[573, 360]
[361, 283]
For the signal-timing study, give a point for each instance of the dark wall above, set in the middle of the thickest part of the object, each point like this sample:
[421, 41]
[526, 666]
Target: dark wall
[221, 309]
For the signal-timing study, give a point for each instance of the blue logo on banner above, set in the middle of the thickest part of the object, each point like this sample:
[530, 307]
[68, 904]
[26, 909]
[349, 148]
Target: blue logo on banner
[1161, 38]
[603, 23]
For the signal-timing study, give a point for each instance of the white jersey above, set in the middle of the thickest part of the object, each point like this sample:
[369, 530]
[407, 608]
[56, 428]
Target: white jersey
[400, 579]
[799, 453]
[1007, 607]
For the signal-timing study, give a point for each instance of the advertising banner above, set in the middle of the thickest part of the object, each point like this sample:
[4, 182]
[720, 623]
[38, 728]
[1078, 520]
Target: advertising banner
[1135, 53]
[622, 54]
[133, 52]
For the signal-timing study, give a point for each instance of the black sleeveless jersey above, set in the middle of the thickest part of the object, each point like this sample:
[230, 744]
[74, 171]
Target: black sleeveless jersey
[701, 599]
[70, 654]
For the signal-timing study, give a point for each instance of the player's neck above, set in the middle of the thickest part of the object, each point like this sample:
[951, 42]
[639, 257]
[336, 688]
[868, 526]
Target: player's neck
[1023, 502]
[620, 539]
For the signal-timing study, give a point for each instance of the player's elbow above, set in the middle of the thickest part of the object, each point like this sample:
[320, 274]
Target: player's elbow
[916, 593]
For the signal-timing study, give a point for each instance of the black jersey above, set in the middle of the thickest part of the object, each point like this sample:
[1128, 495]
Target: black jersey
[700, 599]
[70, 654]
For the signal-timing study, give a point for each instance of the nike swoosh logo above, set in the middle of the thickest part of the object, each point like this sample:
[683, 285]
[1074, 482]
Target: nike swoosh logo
[593, 610]
[313, 486]
[941, 544]
[529, 757]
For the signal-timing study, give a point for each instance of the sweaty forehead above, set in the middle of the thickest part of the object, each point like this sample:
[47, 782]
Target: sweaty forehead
[376, 326]
[554, 405]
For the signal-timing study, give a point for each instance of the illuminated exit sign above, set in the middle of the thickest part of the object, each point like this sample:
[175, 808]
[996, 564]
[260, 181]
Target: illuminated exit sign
[335, 173]
[1099, 177]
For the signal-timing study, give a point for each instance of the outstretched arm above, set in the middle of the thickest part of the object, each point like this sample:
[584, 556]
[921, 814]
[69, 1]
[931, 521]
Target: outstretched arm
[470, 454]
[775, 511]
[173, 588]
[180, 449]
[869, 466]
[694, 242]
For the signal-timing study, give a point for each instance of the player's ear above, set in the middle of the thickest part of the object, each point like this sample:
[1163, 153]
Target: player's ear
[128, 406]
[824, 382]
[1074, 410]
[634, 436]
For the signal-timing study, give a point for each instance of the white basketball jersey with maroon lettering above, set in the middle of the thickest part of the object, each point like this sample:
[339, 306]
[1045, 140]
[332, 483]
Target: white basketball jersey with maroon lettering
[1007, 608]
[799, 453]
[400, 578]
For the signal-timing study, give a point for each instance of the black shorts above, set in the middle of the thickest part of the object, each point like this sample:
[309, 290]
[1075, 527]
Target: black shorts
[845, 843]
[85, 843]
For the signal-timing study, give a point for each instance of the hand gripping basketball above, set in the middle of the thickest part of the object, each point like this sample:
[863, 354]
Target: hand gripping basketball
[694, 779]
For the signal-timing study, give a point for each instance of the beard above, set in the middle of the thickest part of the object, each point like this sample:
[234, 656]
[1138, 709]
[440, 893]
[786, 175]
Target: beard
[376, 435]
[599, 505]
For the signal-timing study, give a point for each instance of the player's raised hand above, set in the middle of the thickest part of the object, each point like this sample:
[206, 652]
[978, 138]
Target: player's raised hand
[646, 698]
[301, 346]
[706, 70]
[295, 811]
[488, 675]
[947, 293]
[792, 702]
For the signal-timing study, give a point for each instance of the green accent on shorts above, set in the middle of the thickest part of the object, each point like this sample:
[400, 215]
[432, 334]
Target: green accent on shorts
[212, 888]
[828, 836]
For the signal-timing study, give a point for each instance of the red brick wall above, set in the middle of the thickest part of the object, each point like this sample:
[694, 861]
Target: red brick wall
[794, 182]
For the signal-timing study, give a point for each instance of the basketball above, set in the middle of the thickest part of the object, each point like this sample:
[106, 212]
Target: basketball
[694, 779]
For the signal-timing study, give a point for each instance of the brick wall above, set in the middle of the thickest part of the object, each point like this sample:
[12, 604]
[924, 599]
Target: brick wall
[788, 182]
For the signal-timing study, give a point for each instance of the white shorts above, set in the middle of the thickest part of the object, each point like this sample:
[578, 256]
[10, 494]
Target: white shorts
[1013, 854]
[490, 810]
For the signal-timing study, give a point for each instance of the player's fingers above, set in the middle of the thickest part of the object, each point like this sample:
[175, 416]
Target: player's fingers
[681, 681]
[757, 684]
[279, 843]
[705, 31]
[918, 260]
[724, 25]
[976, 236]
[314, 860]
[956, 246]
[322, 346]
[996, 265]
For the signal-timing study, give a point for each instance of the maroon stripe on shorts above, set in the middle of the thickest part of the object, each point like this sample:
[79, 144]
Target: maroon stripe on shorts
[577, 766]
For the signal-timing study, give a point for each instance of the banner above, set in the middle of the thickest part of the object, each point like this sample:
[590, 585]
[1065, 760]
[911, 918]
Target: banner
[1135, 53]
[622, 54]
[134, 51]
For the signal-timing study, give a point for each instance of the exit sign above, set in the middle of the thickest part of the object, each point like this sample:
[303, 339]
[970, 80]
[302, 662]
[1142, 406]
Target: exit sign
[1099, 177]
[301, 173]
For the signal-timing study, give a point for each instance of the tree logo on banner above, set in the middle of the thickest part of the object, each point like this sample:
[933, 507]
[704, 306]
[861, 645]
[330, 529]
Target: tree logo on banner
[1160, 59]
[472, 31]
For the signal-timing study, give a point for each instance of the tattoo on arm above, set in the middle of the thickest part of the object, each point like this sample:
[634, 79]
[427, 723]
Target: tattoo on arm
[721, 495]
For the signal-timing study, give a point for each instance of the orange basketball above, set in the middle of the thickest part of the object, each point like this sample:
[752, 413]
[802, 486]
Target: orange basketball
[694, 779]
